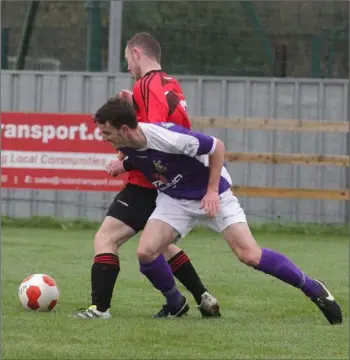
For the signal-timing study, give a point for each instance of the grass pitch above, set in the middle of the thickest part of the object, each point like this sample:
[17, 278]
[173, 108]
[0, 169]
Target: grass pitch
[262, 317]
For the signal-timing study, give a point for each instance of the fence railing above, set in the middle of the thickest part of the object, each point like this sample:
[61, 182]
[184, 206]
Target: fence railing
[270, 124]
[282, 158]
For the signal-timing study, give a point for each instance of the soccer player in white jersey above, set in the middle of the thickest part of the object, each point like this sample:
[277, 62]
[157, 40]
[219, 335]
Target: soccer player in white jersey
[188, 170]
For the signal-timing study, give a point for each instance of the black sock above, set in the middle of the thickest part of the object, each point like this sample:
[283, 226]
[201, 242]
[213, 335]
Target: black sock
[184, 271]
[104, 273]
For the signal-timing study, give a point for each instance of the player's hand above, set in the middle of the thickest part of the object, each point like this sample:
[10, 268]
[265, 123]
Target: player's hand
[126, 95]
[211, 203]
[115, 167]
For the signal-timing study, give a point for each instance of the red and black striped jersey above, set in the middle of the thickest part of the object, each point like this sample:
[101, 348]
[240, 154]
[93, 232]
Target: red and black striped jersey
[158, 97]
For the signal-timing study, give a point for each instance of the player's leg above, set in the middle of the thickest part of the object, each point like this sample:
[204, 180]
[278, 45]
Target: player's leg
[156, 236]
[105, 268]
[165, 224]
[122, 221]
[127, 214]
[142, 202]
[240, 239]
[184, 271]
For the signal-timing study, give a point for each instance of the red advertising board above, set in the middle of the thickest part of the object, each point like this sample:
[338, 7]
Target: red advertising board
[55, 151]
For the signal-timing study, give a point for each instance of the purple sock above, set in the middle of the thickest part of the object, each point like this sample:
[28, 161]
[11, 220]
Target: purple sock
[159, 273]
[279, 266]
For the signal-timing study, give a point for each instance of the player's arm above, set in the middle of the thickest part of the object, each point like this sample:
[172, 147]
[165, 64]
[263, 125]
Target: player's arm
[211, 202]
[216, 162]
[117, 167]
[196, 144]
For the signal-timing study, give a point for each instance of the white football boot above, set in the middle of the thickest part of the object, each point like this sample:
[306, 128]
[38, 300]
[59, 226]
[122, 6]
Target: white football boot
[91, 313]
[209, 306]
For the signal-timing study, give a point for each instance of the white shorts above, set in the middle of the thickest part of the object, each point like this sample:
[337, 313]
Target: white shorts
[183, 215]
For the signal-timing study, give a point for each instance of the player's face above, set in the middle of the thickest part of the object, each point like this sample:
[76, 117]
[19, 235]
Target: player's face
[116, 137]
[132, 56]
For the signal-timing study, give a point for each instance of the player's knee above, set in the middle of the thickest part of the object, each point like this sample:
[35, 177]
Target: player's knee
[105, 242]
[146, 255]
[250, 256]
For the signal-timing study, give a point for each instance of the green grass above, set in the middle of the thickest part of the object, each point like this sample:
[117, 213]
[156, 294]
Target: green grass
[262, 317]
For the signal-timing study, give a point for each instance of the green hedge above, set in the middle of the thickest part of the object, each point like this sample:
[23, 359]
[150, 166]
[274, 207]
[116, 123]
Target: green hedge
[84, 224]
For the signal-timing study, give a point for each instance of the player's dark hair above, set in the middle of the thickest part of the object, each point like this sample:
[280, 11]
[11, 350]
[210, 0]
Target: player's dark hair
[148, 43]
[117, 112]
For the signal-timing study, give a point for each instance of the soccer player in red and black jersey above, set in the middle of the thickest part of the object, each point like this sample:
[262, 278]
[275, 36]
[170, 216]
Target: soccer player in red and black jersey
[157, 97]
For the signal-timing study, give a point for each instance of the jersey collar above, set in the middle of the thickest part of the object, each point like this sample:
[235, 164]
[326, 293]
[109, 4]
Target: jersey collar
[152, 72]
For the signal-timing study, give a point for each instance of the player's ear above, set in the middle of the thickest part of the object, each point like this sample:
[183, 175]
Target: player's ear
[124, 130]
[136, 52]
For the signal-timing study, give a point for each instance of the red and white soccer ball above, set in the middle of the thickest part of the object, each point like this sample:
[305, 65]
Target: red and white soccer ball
[38, 292]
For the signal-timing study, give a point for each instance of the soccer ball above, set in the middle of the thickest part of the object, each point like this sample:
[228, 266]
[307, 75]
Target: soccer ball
[38, 292]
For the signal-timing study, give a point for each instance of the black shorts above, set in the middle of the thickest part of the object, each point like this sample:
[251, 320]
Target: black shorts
[133, 206]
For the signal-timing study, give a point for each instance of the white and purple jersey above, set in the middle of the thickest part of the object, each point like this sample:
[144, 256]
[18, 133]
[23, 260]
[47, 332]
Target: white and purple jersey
[176, 160]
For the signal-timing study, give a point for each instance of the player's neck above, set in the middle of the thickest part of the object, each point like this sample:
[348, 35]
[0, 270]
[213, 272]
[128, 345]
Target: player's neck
[149, 66]
[138, 140]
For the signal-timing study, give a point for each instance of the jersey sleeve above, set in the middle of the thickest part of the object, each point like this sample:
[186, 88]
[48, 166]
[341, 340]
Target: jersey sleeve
[175, 139]
[128, 165]
[154, 100]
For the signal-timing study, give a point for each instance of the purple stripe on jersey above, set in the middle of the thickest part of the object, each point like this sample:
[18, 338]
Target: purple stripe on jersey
[205, 143]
